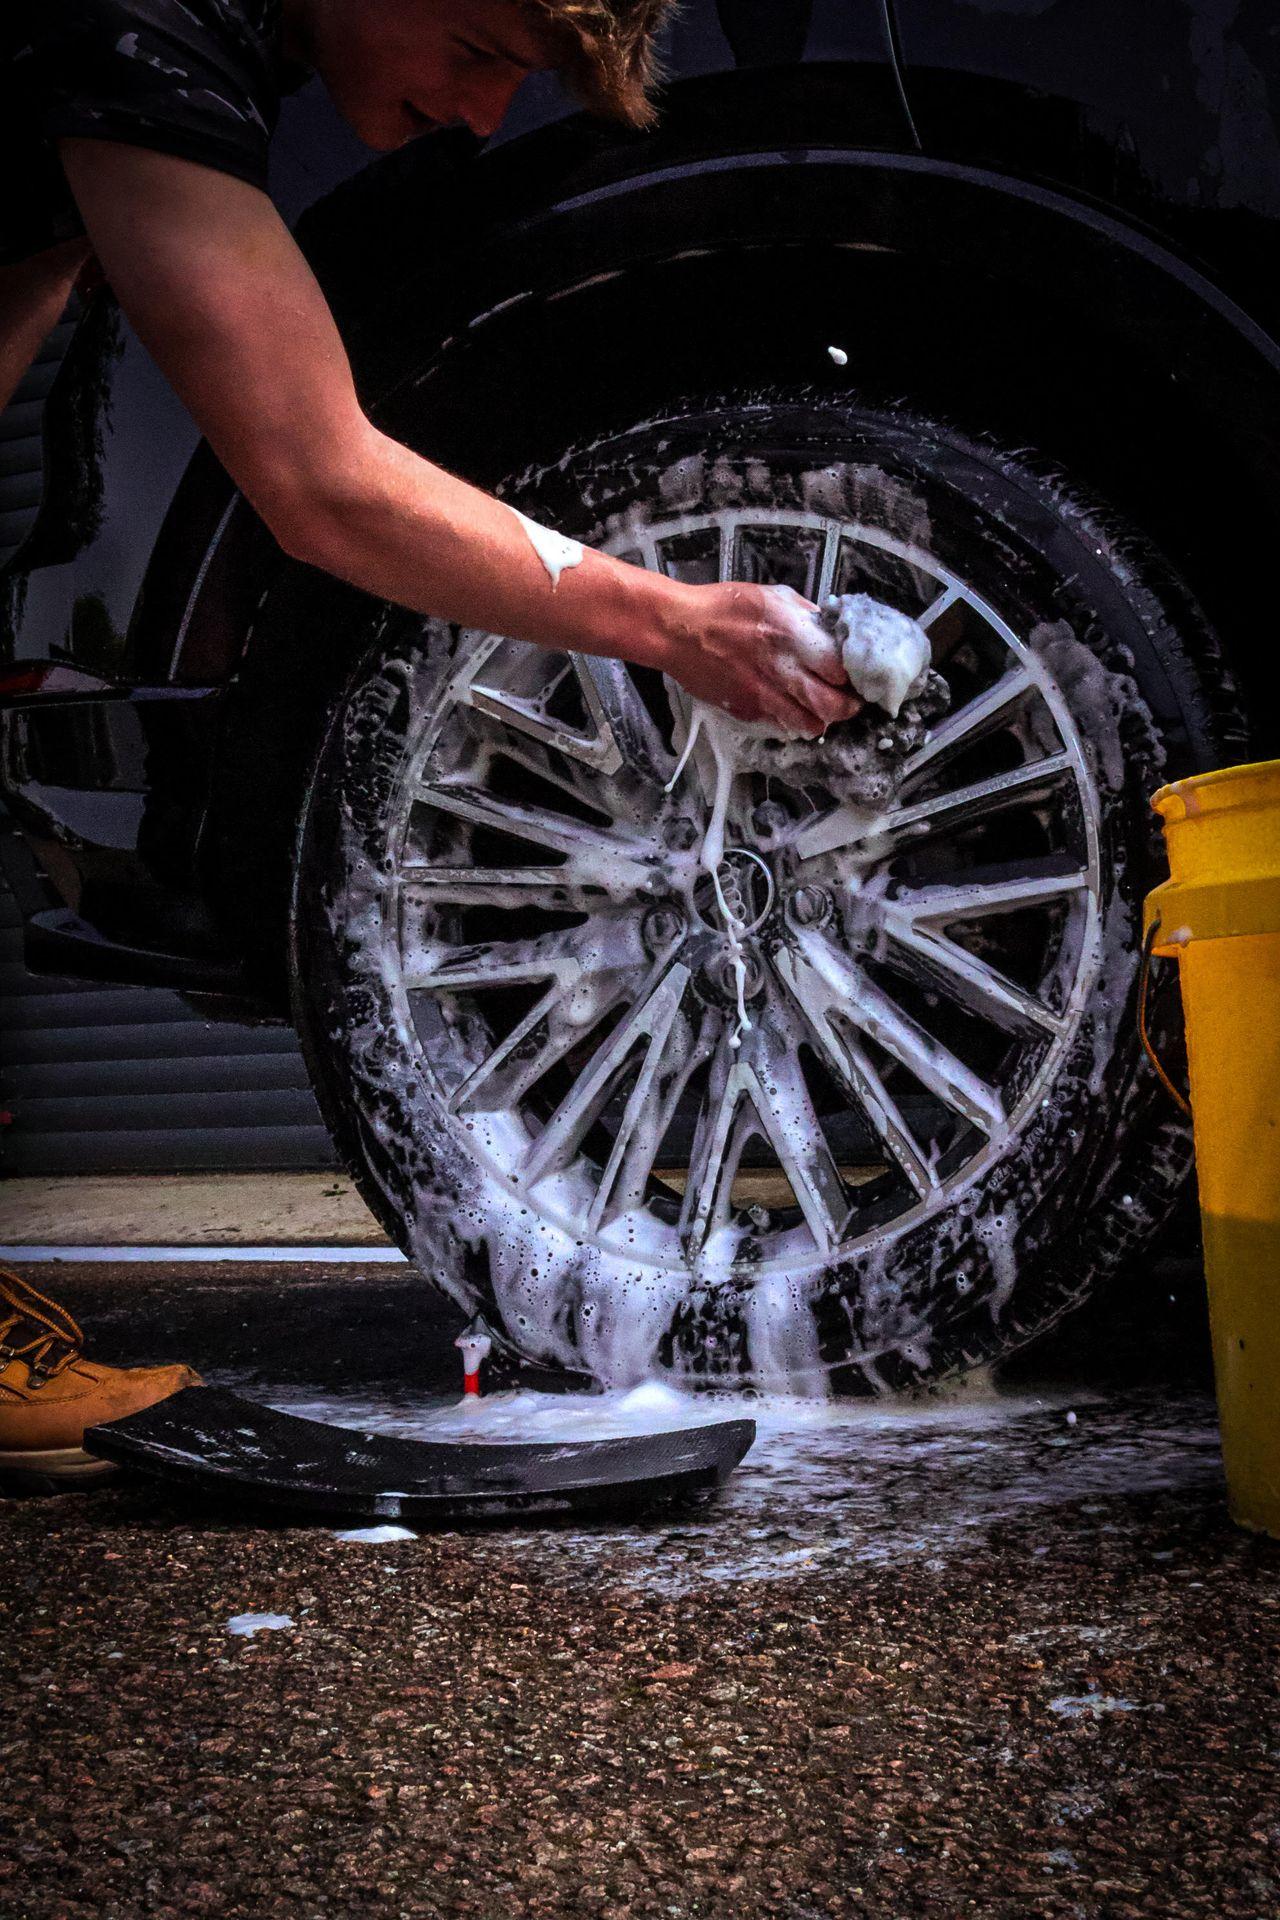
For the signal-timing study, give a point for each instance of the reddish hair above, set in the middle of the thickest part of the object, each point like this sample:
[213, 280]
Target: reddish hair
[610, 61]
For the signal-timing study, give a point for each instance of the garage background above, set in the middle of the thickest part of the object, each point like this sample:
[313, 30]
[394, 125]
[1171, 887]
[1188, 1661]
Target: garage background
[106, 1079]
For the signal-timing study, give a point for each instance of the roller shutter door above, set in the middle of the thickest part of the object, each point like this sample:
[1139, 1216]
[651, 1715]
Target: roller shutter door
[99, 1079]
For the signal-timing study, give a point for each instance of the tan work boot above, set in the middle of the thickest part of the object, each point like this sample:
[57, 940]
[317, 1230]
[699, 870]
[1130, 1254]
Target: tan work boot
[49, 1393]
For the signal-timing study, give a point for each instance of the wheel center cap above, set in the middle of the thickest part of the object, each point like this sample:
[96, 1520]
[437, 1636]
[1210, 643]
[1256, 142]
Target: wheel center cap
[747, 885]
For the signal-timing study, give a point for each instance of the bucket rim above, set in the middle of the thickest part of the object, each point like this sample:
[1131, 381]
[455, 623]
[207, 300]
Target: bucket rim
[1262, 776]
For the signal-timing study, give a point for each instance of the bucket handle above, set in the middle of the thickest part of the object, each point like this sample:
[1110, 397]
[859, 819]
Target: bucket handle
[1148, 1047]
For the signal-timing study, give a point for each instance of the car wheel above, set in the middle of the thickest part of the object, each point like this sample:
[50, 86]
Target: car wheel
[512, 979]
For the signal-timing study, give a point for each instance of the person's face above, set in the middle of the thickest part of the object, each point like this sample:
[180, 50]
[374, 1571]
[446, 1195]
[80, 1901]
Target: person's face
[398, 68]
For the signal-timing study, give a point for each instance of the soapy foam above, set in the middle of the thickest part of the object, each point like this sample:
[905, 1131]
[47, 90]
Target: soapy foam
[833, 1483]
[1076, 1706]
[556, 551]
[885, 653]
[375, 1536]
[476, 1347]
[245, 1625]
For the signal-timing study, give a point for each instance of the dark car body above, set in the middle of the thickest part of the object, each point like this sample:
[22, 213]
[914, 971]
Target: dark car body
[1057, 220]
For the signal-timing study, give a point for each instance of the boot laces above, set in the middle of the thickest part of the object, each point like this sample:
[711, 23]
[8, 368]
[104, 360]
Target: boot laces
[35, 1329]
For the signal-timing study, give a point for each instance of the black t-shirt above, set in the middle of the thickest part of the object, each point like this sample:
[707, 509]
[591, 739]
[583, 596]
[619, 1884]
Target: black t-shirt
[198, 78]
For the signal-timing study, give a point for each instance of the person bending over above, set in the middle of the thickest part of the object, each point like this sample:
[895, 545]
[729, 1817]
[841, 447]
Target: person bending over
[134, 136]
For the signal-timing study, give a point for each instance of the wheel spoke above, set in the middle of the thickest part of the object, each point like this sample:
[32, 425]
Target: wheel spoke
[970, 722]
[598, 749]
[935, 608]
[538, 760]
[939, 906]
[640, 1135]
[497, 963]
[827, 564]
[513, 887]
[620, 735]
[916, 918]
[553, 1026]
[936, 963]
[785, 1107]
[612, 695]
[763, 1093]
[670, 1058]
[886, 1117]
[718, 1142]
[1019, 785]
[822, 1008]
[591, 854]
[835, 830]
[848, 827]
[632, 803]
[872, 1011]
[517, 686]
[650, 1019]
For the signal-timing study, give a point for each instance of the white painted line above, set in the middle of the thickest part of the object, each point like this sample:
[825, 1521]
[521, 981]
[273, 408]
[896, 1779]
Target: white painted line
[129, 1256]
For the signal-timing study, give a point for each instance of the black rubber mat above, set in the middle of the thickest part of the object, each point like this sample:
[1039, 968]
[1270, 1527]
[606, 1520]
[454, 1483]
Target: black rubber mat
[217, 1443]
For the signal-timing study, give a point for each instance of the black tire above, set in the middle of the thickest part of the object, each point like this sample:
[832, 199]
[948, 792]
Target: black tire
[1090, 1168]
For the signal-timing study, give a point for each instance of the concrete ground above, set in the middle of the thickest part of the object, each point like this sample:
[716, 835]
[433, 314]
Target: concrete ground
[981, 1658]
[188, 1209]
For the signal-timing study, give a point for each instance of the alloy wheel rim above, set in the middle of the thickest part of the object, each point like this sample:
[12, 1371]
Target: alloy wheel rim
[558, 959]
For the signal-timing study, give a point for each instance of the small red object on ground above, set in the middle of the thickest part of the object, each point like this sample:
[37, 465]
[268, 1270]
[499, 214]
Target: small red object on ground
[476, 1342]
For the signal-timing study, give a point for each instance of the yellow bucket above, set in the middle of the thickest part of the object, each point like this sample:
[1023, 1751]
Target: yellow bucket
[1219, 916]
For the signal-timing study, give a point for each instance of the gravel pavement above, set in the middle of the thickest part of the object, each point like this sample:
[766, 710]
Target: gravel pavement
[982, 1659]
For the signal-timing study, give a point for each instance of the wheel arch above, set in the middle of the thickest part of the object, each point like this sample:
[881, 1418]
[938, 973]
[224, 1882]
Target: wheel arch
[1000, 303]
[973, 275]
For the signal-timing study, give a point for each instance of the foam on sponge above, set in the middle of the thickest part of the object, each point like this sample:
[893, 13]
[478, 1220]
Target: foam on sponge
[885, 653]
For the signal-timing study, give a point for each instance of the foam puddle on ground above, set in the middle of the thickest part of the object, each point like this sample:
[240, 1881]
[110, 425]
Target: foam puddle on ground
[830, 1484]
[245, 1625]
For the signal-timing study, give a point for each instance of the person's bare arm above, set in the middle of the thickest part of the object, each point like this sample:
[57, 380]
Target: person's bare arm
[33, 294]
[221, 296]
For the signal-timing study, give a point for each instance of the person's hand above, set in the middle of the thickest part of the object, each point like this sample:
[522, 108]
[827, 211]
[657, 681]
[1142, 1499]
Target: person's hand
[761, 654]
